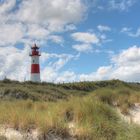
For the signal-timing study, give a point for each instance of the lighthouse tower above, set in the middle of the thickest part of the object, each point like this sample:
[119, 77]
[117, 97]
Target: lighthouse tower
[35, 68]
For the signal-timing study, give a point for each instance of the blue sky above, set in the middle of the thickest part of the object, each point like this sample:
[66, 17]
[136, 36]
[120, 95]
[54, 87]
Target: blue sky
[80, 40]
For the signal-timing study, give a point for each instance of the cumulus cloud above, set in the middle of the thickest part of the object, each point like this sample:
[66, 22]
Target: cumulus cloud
[41, 21]
[46, 12]
[86, 40]
[36, 31]
[102, 73]
[124, 66]
[103, 28]
[14, 63]
[127, 64]
[37, 21]
[25, 21]
[66, 76]
[11, 33]
[56, 39]
[83, 47]
[7, 5]
[70, 27]
[85, 37]
[52, 72]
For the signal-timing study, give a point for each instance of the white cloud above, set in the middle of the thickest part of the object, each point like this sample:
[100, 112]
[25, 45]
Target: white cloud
[70, 27]
[11, 33]
[137, 34]
[130, 33]
[7, 5]
[68, 76]
[86, 40]
[58, 77]
[125, 30]
[61, 61]
[103, 38]
[55, 13]
[14, 63]
[127, 57]
[111, 5]
[35, 31]
[127, 64]
[38, 20]
[27, 21]
[103, 28]
[48, 74]
[56, 39]
[52, 73]
[121, 5]
[124, 66]
[101, 74]
[85, 37]
[83, 47]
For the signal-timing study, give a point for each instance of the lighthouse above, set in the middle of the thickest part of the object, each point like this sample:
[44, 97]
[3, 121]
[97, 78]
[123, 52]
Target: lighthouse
[35, 67]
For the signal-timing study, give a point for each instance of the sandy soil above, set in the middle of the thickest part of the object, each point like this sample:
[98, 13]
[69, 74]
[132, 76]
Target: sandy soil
[7, 133]
[134, 116]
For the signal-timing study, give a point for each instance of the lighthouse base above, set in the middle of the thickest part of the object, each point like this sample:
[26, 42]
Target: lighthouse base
[35, 77]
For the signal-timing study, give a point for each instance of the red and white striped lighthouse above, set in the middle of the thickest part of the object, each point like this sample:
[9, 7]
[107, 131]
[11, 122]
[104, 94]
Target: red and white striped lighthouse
[35, 67]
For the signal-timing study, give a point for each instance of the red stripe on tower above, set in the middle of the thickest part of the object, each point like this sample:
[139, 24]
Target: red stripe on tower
[35, 67]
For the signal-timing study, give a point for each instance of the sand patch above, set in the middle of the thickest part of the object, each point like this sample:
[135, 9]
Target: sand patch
[134, 114]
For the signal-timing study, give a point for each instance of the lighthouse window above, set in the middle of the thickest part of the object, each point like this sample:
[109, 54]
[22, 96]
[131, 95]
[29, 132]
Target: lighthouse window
[33, 61]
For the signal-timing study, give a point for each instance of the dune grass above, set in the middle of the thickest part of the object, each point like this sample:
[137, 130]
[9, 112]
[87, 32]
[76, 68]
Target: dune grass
[83, 110]
[123, 98]
[90, 117]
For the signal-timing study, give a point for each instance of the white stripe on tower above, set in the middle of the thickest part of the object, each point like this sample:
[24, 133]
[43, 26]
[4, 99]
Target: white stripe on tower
[35, 77]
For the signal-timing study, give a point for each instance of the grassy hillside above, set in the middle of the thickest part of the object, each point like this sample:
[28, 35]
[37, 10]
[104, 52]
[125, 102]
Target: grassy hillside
[10, 90]
[85, 110]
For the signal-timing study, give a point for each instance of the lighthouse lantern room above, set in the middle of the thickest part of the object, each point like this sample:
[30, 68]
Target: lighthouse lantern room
[35, 67]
